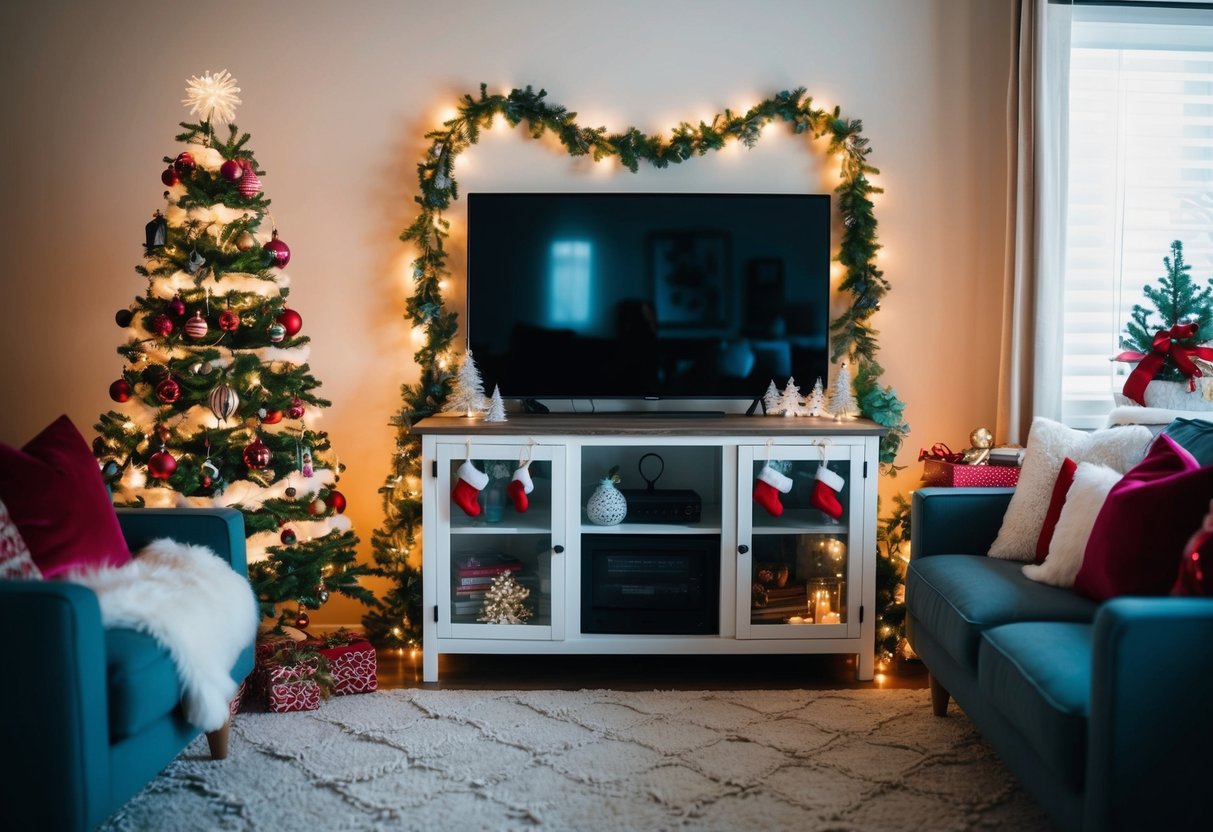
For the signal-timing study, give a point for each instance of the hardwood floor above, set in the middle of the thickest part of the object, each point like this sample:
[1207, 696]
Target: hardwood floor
[399, 669]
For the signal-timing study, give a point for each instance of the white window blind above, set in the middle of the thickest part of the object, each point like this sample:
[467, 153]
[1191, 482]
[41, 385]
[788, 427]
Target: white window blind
[1140, 174]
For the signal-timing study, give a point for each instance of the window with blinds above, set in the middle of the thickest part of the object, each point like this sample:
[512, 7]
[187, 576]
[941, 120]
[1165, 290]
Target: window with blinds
[1140, 174]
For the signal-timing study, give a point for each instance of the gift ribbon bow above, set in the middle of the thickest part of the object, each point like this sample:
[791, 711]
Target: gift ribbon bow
[1165, 345]
[941, 452]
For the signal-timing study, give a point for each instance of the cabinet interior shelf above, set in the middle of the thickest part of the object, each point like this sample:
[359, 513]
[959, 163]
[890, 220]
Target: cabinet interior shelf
[797, 520]
[709, 523]
[536, 521]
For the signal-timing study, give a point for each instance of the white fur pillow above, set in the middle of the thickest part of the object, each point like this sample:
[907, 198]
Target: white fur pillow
[1049, 443]
[1083, 502]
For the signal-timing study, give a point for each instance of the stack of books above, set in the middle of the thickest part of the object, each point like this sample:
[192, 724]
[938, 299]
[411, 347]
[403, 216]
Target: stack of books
[473, 577]
[782, 603]
[1006, 456]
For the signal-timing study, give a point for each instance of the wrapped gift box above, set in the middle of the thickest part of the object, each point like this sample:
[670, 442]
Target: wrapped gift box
[959, 475]
[351, 660]
[290, 687]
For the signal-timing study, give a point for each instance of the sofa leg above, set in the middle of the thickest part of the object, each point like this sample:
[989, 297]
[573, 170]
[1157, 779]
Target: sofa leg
[217, 740]
[939, 697]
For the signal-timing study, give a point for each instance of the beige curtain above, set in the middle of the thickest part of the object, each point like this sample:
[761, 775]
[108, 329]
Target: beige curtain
[1029, 373]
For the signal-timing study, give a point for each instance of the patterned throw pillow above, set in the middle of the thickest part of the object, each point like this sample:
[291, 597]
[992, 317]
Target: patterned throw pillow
[15, 560]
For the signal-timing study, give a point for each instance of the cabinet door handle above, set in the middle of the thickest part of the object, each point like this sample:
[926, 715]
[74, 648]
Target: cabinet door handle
[558, 549]
[742, 549]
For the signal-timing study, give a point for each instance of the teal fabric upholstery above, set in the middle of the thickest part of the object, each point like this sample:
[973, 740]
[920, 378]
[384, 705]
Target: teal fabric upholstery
[957, 597]
[1196, 436]
[89, 716]
[1100, 711]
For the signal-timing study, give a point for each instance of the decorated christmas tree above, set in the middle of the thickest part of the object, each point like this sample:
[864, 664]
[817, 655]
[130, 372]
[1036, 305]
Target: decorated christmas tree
[215, 403]
[1182, 308]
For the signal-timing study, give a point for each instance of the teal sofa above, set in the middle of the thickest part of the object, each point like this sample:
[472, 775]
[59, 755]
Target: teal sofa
[90, 714]
[1102, 711]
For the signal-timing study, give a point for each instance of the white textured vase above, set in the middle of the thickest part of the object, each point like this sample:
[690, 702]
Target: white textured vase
[607, 506]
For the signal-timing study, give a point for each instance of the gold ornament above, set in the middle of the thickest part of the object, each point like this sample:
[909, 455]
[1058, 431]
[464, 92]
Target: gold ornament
[982, 441]
[245, 241]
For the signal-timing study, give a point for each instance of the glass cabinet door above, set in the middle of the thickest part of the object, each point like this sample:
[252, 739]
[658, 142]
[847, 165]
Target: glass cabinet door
[501, 572]
[797, 574]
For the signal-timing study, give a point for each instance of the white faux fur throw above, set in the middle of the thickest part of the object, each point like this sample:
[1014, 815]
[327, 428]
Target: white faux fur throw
[195, 606]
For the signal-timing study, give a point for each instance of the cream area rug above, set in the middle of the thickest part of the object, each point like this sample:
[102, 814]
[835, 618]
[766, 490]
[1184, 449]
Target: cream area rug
[454, 760]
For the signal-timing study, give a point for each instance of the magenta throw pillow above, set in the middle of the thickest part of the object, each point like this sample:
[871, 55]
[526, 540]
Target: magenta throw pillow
[1140, 533]
[55, 495]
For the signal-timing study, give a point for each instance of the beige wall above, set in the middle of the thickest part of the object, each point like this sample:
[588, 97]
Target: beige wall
[337, 97]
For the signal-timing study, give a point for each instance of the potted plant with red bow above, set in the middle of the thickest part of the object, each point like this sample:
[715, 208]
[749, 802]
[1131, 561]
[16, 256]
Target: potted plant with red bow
[1167, 342]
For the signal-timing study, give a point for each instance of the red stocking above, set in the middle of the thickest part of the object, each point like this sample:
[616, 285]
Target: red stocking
[825, 493]
[767, 488]
[467, 488]
[520, 486]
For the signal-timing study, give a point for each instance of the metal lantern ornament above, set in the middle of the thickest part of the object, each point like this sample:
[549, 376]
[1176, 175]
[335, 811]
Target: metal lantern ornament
[278, 251]
[257, 454]
[223, 402]
[196, 262]
[155, 232]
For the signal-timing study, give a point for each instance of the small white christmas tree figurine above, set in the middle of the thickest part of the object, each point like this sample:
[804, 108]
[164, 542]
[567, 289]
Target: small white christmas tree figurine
[467, 390]
[770, 399]
[496, 407]
[789, 400]
[842, 400]
[816, 404]
[505, 602]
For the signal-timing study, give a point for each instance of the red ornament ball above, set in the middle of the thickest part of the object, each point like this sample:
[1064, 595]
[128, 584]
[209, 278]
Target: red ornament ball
[196, 326]
[184, 163]
[292, 321]
[161, 466]
[257, 454]
[162, 325]
[278, 251]
[269, 417]
[169, 177]
[288, 537]
[229, 321]
[317, 507]
[231, 170]
[302, 620]
[120, 390]
[168, 390]
[336, 501]
[295, 409]
[176, 306]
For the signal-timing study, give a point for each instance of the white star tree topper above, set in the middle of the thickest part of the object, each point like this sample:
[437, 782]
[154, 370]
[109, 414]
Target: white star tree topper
[212, 97]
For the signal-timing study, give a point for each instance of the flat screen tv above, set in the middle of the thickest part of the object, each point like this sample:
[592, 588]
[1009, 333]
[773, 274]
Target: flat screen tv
[622, 295]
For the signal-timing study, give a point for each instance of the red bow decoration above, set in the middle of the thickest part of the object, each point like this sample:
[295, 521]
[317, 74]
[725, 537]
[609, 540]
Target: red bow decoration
[940, 452]
[1165, 346]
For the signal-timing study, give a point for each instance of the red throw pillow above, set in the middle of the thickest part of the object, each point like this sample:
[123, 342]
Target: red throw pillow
[55, 495]
[1139, 535]
[1065, 478]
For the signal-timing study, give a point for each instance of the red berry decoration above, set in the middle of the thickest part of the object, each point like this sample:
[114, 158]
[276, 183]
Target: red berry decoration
[231, 170]
[229, 321]
[257, 454]
[161, 466]
[301, 621]
[169, 177]
[120, 390]
[279, 252]
[317, 507]
[184, 163]
[291, 321]
[269, 417]
[288, 537]
[168, 390]
[295, 409]
[176, 306]
[250, 183]
[336, 501]
[162, 325]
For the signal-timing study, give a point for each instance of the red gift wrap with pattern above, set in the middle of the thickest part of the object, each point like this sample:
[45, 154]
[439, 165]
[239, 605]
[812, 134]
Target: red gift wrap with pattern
[291, 688]
[351, 660]
[956, 474]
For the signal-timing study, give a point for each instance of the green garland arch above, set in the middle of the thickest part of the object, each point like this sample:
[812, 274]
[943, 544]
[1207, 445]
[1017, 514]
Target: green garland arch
[396, 620]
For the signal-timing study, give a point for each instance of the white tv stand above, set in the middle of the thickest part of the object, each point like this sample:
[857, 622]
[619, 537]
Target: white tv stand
[797, 583]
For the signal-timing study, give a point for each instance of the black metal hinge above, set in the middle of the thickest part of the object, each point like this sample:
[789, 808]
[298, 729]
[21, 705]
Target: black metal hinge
[860, 613]
[436, 613]
[434, 469]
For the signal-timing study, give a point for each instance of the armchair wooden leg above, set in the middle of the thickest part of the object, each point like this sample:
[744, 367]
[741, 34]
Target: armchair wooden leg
[217, 740]
[939, 697]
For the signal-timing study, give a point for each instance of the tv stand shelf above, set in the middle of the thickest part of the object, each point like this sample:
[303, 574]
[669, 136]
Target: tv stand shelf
[738, 581]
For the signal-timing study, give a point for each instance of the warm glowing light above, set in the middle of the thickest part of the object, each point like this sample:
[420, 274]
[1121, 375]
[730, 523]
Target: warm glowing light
[254, 380]
[418, 334]
[396, 631]
[128, 426]
[413, 653]
[212, 97]
[448, 114]
[444, 284]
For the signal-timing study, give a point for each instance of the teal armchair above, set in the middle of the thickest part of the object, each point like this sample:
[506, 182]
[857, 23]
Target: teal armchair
[90, 715]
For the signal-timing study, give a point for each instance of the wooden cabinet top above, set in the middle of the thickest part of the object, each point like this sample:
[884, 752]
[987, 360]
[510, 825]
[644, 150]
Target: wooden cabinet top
[616, 424]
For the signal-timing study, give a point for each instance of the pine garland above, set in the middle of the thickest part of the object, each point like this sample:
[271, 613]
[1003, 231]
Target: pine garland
[397, 620]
